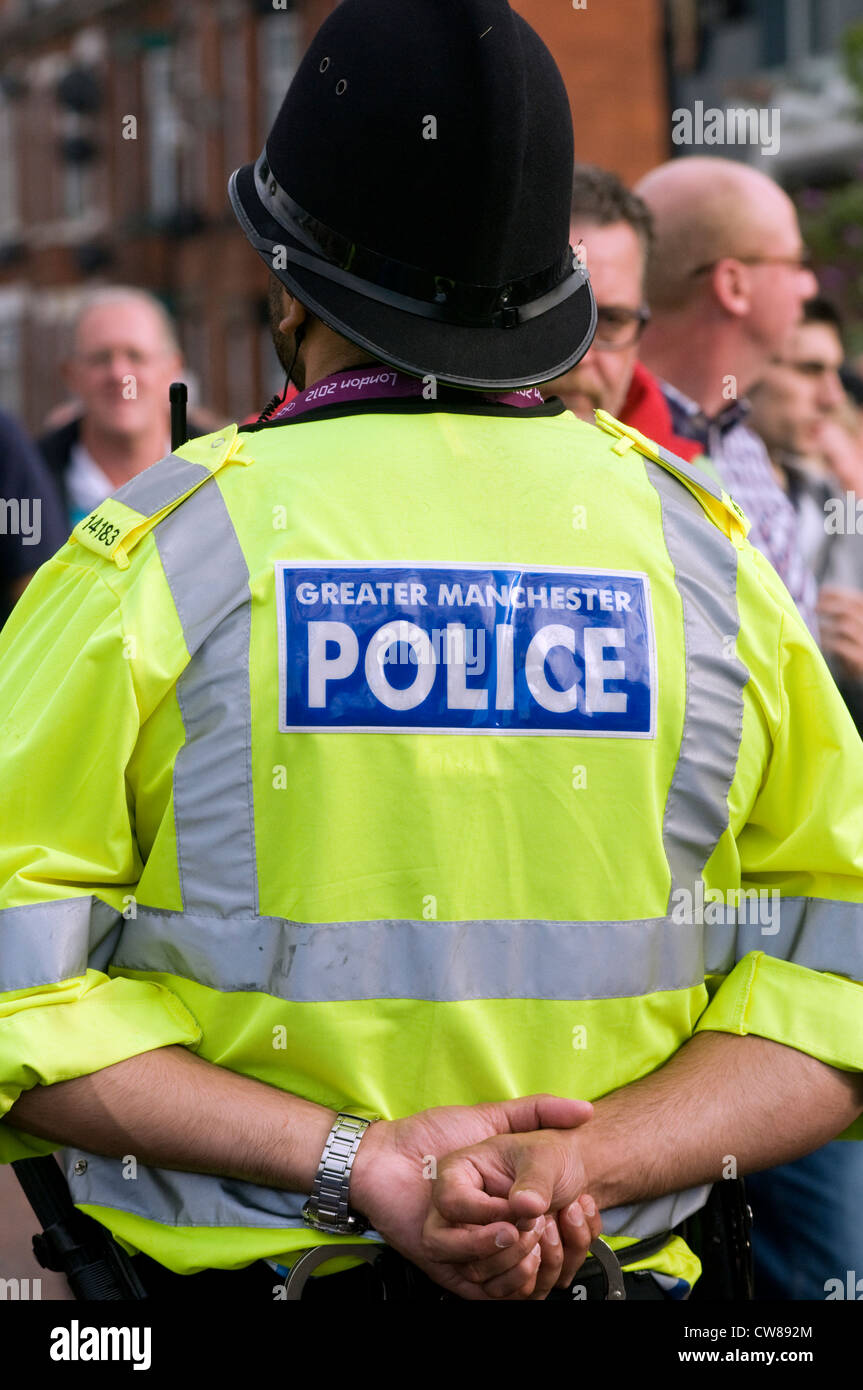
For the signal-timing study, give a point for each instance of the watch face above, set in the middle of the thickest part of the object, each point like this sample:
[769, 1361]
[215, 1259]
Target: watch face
[353, 1225]
[310, 1216]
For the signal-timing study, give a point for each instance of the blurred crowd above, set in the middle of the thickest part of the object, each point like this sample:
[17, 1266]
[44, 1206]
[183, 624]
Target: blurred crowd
[712, 339]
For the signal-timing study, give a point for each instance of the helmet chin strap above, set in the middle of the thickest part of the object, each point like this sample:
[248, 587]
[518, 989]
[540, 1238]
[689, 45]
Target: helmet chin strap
[277, 400]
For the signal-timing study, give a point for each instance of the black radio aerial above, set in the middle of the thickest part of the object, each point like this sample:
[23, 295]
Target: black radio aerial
[179, 394]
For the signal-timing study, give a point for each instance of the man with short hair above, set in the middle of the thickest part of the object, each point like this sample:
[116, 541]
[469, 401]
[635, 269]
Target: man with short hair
[616, 230]
[801, 390]
[125, 354]
[800, 410]
[726, 282]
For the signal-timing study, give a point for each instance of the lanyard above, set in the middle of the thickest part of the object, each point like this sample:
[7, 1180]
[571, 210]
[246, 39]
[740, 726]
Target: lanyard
[373, 383]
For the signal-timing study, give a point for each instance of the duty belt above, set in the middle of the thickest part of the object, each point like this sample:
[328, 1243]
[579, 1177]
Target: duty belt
[601, 1259]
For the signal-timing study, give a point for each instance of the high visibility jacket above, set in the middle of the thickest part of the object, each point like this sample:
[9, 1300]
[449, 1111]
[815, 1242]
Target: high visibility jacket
[233, 820]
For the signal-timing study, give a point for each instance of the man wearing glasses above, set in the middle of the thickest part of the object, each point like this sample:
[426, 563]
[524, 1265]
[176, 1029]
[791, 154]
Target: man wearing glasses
[727, 279]
[613, 230]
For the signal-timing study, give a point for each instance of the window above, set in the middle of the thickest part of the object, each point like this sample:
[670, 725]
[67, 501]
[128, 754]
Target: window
[792, 30]
[238, 141]
[279, 55]
[164, 129]
[192, 123]
[10, 212]
[78, 171]
[11, 309]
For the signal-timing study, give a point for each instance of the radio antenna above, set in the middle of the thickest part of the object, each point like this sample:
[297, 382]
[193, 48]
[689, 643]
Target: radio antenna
[179, 394]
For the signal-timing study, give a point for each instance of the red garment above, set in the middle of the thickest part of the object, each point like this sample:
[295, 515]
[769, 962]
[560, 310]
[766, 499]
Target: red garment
[646, 410]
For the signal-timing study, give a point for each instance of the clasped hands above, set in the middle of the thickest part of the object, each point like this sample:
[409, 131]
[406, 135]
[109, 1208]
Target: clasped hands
[490, 1201]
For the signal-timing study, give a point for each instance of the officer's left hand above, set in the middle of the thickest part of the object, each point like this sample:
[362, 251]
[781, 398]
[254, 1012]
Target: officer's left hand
[390, 1187]
[518, 1177]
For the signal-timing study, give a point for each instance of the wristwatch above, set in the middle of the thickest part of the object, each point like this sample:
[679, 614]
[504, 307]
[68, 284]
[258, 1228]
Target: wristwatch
[327, 1209]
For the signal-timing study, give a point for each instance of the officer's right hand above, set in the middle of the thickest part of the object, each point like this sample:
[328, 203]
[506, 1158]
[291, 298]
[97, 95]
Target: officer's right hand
[391, 1185]
[519, 1177]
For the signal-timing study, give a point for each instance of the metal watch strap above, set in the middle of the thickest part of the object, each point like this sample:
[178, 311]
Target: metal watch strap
[328, 1206]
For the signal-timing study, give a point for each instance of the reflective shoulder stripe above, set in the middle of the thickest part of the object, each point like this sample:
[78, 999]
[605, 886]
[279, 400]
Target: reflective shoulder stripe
[213, 796]
[116, 526]
[705, 575]
[719, 506]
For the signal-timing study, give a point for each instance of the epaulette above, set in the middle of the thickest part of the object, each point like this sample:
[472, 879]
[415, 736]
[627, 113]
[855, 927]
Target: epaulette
[123, 519]
[719, 506]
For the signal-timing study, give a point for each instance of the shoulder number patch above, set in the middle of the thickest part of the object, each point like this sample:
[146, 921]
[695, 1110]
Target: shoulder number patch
[101, 529]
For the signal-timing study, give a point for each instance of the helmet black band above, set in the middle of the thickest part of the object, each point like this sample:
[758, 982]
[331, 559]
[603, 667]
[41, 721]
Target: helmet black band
[403, 286]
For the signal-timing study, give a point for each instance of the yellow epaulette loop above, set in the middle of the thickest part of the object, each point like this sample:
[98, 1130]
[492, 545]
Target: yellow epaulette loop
[122, 520]
[719, 506]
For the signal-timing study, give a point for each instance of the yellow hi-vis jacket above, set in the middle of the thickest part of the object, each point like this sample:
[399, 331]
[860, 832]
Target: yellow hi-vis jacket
[406, 755]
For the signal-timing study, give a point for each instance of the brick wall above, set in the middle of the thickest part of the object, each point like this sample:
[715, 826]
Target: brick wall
[610, 55]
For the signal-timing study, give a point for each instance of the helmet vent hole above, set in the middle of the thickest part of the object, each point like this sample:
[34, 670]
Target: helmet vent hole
[341, 87]
[325, 63]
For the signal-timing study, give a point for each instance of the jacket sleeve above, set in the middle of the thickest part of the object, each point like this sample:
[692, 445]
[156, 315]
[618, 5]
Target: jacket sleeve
[795, 975]
[69, 860]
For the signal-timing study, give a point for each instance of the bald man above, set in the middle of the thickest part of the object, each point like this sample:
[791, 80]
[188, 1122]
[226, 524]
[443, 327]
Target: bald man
[726, 284]
[124, 357]
[727, 279]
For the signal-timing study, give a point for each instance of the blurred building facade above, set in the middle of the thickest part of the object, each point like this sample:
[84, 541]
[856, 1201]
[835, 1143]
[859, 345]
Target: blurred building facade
[121, 120]
[780, 55]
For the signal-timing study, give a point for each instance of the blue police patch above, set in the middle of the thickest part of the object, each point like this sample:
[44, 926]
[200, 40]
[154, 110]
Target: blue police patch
[450, 649]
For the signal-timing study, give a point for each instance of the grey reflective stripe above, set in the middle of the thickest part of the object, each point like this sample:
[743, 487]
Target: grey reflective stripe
[45, 943]
[705, 564]
[819, 933]
[701, 479]
[645, 1219]
[325, 962]
[161, 484]
[199, 1199]
[213, 809]
[177, 1198]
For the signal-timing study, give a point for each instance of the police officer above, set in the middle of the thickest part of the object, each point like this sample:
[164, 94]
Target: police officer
[381, 781]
